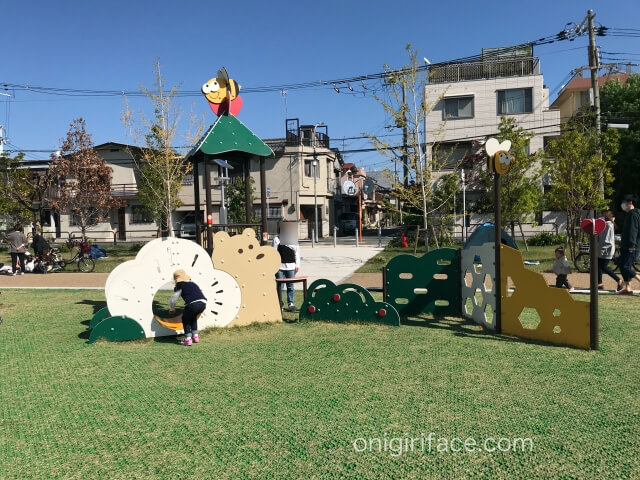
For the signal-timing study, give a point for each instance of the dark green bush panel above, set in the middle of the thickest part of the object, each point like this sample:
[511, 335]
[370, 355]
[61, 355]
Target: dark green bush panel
[347, 302]
[117, 329]
[98, 317]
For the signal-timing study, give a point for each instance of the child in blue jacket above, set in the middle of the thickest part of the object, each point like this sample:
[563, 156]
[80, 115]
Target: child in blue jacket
[194, 304]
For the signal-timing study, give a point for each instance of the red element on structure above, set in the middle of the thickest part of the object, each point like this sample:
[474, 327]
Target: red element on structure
[405, 244]
[382, 312]
[587, 225]
[311, 309]
[336, 297]
[232, 107]
[209, 219]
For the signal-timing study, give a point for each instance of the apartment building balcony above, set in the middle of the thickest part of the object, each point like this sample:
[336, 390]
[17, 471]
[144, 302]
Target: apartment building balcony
[488, 68]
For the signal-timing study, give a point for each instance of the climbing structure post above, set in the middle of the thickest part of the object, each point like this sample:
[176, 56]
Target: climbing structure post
[497, 205]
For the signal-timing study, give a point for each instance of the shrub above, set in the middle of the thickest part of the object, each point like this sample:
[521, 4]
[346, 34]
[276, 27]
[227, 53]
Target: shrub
[547, 239]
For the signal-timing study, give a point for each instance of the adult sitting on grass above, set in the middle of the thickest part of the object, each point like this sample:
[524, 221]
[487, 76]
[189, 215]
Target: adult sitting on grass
[630, 243]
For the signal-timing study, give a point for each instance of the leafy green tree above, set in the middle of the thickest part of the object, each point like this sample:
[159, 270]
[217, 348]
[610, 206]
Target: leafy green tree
[84, 179]
[575, 167]
[23, 192]
[521, 187]
[620, 103]
[444, 193]
[235, 193]
[161, 169]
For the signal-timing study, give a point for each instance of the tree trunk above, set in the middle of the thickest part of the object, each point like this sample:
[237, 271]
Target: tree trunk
[526, 247]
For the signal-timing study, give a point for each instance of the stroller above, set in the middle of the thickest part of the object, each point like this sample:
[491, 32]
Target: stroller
[46, 257]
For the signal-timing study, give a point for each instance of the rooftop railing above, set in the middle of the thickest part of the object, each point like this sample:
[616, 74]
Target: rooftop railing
[484, 70]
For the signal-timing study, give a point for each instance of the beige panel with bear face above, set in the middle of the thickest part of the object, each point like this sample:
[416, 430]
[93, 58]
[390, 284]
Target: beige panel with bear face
[254, 268]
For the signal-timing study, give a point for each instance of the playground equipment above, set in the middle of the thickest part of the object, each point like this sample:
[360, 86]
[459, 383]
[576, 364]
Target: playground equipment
[347, 302]
[244, 271]
[428, 284]
[473, 282]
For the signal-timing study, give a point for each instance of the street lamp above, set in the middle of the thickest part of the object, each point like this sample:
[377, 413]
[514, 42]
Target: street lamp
[464, 206]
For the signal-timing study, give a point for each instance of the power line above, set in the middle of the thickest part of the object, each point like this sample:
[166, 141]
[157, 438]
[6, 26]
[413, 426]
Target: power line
[336, 84]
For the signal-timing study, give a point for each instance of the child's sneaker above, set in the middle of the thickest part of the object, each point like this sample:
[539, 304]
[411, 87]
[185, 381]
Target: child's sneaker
[195, 339]
[186, 342]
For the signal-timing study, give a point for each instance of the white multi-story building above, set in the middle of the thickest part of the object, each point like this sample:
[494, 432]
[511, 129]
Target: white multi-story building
[470, 98]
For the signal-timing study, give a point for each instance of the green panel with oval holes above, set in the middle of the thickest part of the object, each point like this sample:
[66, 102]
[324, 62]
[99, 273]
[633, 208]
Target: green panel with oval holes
[426, 284]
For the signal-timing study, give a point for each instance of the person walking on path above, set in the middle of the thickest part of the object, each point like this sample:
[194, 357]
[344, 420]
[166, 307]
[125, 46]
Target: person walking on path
[630, 243]
[194, 304]
[562, 269]
[17, 247]
[287, 245]
[606, 250]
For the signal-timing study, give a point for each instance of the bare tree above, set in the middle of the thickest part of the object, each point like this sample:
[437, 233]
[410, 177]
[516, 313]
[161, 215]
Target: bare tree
[407, 108]
[161, 168]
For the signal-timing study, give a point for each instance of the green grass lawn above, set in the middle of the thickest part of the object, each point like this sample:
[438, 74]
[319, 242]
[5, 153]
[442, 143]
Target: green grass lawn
[545, 255]
[288, 400]
[116, 254]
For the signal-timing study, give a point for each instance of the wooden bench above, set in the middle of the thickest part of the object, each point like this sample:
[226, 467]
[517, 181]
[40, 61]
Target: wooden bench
[302, 279]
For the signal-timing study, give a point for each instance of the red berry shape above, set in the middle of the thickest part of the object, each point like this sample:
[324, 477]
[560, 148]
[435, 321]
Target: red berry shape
[382, 312]
[336, 297]
[311, 309]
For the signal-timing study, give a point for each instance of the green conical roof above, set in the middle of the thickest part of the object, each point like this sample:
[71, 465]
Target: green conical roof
[228, 136]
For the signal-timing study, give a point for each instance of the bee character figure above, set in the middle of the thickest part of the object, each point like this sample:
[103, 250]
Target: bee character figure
[500, 160]
[222, 93]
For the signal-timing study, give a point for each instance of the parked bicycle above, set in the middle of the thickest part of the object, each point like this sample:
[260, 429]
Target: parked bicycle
[583, 259]
[82, 257]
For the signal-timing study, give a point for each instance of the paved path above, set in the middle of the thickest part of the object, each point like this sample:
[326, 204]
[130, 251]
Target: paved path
[321, 261]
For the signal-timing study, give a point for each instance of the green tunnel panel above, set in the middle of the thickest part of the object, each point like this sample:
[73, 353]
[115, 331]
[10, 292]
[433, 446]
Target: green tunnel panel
[427, 284]
[117, 329]
[99, 316]
[329, 302]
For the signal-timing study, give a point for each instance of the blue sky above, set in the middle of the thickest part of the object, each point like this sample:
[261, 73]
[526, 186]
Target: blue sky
[113, 45]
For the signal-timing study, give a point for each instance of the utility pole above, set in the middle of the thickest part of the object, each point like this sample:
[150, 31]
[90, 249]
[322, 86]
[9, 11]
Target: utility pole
[593, 300]
[593, 65]
[405, 161]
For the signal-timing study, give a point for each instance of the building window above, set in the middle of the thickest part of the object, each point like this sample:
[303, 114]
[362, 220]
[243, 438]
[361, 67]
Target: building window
[515, 100]
[584, 98]
[309, 170]
[447, 156]
[93, 219]
[139, 214]
[458, 107]
[188, 179]
[273, 211]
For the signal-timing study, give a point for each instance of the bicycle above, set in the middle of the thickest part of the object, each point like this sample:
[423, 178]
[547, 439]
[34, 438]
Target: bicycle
[583, 259]
[85, 263]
